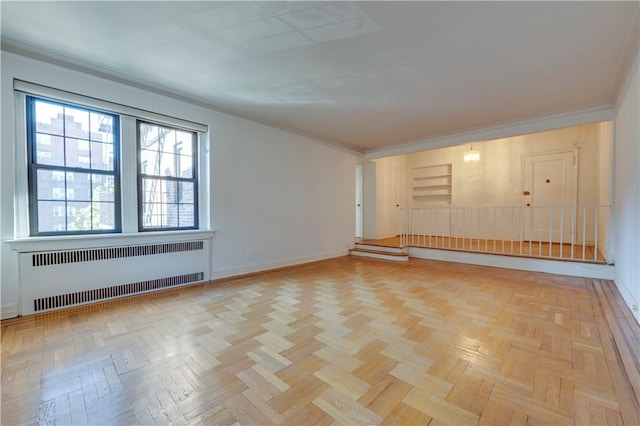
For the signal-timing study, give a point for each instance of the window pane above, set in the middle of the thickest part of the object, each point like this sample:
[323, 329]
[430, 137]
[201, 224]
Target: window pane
[101, 156]
[154, 198]
[184, 143]
[46, 184]
[76, 157]
[166, 140]
[79, 216]
[76, 123]
[149, 162]
[104, 215]
[167, 164]
[185, 166]
[49, 118]
[148, 136]
[103, 187]
[154, 215]
[46, 219]
[49, 150]
[102, 128]
[187, 215]
[171, 216]
[186, 192]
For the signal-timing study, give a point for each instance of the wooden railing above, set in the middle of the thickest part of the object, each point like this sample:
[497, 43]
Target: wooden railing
[558, 232]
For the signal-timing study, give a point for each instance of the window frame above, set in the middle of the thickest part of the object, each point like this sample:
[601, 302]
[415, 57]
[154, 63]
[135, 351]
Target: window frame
[195, 149]
[33, 166]
[173, 113]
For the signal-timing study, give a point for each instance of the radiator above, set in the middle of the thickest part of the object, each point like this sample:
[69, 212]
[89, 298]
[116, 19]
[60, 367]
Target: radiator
[56, 279]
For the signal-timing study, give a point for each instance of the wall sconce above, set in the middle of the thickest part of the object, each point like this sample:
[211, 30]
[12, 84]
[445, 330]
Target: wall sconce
[471, 156]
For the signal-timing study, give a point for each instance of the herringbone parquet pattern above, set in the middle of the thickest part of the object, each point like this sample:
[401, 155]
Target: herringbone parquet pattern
[343, 341]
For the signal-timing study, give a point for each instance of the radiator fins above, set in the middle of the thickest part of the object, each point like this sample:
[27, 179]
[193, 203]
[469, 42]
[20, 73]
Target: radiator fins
[87, 296]
[90, 255]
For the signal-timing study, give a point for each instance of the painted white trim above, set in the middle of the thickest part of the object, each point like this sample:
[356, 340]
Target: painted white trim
[105, 240]
[379, 256]
[380, 248]
[604, 272]
[499, 131]
[9, 311]
[627, 296]
[265, 267]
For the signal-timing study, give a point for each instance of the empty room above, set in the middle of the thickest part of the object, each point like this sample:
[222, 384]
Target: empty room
[306, 212]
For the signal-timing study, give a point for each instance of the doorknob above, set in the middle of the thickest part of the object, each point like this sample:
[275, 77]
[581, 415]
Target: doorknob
[397, 205]
[528, 204]
[526, 193]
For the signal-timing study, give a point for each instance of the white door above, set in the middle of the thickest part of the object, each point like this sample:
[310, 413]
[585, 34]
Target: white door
[550, 188]
[400, 197]
[359, 179]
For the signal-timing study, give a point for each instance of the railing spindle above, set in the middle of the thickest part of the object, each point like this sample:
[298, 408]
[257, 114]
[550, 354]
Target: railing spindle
[539, 231]
[595, 238]
[584, 232]
[550, 230]
[561, 228]
[573, 227]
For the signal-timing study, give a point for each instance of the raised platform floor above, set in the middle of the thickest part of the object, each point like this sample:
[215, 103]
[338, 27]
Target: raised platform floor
[534, 249]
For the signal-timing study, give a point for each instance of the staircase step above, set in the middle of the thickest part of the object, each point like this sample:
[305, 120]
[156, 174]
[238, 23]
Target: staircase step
[379, 254]
[365, 246]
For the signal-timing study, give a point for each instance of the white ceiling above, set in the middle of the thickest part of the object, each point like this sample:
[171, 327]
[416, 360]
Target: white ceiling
[365, 75]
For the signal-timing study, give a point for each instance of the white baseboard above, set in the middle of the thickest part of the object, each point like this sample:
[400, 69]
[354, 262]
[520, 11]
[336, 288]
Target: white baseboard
[628, 297]
[263, 267]
[604, 272]
[9, 311]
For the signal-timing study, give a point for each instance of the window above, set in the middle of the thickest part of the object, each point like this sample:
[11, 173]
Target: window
[67, 141]
[167, 178]
[96, 167]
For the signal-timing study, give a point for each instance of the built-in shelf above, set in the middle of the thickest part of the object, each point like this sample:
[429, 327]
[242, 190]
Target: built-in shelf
[431, 185]
[418, 187]
[431, 177]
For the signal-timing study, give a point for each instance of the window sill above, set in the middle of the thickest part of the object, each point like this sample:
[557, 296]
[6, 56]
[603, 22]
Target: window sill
[35, 244]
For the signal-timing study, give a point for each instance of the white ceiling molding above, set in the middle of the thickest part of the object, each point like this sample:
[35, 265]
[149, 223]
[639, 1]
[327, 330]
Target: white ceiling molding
[516, 128]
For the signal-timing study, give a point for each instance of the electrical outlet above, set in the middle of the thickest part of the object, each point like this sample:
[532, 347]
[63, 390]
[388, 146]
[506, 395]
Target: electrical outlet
[249, 254]
[635, 308]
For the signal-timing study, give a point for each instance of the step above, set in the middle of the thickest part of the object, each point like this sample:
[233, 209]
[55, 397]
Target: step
[378, 254]
[397, 250]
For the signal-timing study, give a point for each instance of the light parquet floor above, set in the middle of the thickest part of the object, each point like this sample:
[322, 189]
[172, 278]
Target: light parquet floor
[343, 341]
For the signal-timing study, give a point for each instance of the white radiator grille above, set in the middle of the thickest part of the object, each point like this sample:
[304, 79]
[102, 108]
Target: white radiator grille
[80, 297]
[57, 279]
[90, 255]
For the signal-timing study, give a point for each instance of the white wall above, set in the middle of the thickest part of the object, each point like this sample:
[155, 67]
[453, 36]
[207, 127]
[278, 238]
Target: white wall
[605, 189]
[627, 192]
[496, 180]
[280, 197]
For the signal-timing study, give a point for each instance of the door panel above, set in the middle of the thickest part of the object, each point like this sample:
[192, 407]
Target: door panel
[400, 197]
[359, 184]
[550, 189]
